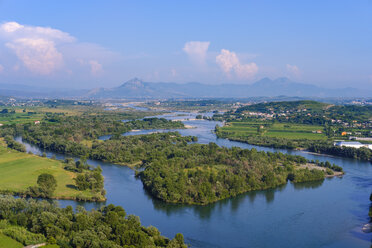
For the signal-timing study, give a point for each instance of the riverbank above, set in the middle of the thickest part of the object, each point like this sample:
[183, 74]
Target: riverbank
[316, 148]
[311, 166]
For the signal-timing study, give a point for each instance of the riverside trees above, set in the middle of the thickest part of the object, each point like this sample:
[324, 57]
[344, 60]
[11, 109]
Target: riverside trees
[31, 221]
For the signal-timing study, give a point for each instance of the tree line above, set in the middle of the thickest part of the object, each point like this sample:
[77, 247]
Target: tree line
[33, 222]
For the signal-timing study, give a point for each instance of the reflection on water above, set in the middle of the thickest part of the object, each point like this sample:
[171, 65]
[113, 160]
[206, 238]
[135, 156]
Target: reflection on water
[309, 185]
[328, 213]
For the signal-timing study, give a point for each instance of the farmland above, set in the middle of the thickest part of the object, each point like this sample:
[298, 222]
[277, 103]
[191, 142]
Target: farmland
[278, 130]
[18, 115]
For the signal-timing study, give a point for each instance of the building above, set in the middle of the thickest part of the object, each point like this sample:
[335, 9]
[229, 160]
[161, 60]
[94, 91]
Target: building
[352, 144]
[36, 122]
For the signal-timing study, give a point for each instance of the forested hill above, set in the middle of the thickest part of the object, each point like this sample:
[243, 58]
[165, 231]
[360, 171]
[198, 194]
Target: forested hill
[291, 106]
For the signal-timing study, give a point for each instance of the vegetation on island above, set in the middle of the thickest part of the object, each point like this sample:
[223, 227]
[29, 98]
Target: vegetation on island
[200, 174]
[28, 222]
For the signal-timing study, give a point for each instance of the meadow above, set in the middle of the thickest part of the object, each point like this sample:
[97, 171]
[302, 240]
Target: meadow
[7, 242]
[20, 170]
[22, 115]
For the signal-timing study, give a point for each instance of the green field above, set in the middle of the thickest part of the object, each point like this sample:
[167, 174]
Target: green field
[278, 130]
[6, 242]
[22, 115]
[20, 170]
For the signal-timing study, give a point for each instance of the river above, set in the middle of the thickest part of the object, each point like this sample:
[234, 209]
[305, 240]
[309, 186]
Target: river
[329, 214]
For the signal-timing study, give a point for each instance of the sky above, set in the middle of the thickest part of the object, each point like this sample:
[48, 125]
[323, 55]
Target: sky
[86, 44]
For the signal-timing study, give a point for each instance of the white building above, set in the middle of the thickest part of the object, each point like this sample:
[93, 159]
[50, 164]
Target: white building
[353, 144]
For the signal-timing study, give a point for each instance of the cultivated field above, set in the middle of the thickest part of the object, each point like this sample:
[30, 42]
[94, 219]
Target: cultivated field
[279, 130]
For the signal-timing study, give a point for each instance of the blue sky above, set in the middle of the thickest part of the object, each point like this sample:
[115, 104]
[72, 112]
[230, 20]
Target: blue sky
[84, 44]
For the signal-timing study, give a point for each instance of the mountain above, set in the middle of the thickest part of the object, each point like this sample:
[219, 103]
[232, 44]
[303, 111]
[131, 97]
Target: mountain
[26, 91]
[136, 88]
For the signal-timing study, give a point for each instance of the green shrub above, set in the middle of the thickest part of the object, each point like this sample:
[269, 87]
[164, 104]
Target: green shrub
[23, 236]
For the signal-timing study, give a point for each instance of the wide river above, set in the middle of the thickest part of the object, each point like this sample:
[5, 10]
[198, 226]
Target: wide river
[317, 214]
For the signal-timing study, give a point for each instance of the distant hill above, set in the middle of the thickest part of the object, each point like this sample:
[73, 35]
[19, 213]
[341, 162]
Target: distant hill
[25, 91]
[136, 88]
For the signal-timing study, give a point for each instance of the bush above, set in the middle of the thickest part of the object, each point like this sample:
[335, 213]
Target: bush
[23, 236]
[46, 185]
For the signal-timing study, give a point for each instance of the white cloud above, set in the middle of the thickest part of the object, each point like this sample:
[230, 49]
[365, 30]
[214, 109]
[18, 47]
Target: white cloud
[230, 64]
[11, 27]
[197, 51]
[293, 70]
[95, 67]
[40, 56]
[45, 51]
[14, 30]
[35, 46]
[1, 68]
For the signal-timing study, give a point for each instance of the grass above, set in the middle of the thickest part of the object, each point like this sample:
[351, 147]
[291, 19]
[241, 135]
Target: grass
[278, 130]
[20, 170]
[6, 242]
[21, 117]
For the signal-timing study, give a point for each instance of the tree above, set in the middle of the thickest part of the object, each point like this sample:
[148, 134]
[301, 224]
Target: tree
[47, 184]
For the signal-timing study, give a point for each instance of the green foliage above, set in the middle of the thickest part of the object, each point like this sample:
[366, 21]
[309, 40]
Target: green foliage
[67, 134]
[46, 185]
[23, 236]
[132, 149]
[283, 106]
[11, 143]
[200, 174]
[108, 227]
[92, 180]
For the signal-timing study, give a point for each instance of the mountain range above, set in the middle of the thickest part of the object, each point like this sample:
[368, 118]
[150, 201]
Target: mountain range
[137, 89]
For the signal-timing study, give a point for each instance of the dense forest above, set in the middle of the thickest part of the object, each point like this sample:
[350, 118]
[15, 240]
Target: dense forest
[35, 222]
[348, 152]
[200, 174]
[75, 134]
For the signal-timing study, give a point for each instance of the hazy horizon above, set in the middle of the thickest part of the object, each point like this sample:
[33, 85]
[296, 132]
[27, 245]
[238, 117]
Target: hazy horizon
[72, 44]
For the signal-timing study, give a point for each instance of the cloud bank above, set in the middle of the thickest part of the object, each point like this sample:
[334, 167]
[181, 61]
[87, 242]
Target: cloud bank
[46, 51]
